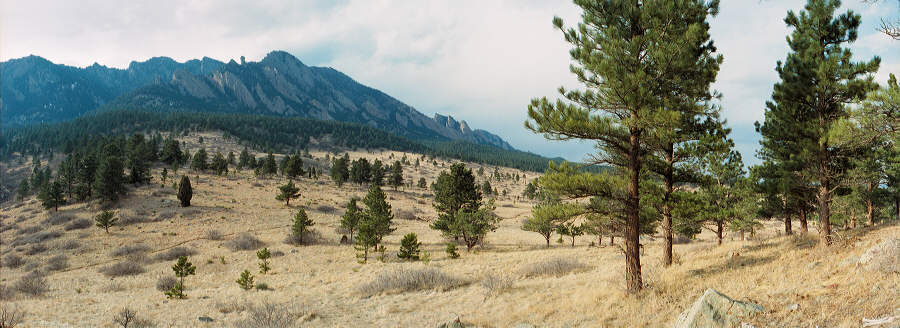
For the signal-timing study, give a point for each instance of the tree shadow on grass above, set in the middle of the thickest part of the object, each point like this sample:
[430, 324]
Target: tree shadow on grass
[734, 262]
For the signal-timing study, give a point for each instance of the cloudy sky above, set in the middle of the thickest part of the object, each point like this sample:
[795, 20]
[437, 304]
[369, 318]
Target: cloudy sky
[480, 61]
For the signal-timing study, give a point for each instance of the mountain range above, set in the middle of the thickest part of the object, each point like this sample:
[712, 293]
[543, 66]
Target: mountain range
[35, 90]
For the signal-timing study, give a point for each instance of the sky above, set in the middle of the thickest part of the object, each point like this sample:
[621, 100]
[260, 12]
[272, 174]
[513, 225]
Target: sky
[479, 61]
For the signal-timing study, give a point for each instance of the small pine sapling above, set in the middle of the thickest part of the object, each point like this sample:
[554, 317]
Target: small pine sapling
[287, 192]
[246, 280]
[182, 269]
[263, 255]
[106, 219]
[409, 247]
[451, 251]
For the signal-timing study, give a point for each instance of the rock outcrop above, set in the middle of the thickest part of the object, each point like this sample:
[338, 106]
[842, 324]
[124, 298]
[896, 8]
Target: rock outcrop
[884, 257]
[715, 309]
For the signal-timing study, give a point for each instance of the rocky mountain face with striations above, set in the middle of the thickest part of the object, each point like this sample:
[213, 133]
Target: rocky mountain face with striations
[35, 90]
[279, 84]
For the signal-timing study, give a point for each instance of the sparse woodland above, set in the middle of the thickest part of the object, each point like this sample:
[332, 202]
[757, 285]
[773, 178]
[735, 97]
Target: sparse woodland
[208, 216]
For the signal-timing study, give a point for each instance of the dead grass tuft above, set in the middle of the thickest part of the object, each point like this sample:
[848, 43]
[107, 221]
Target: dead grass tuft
[408, 280]
[58, 263]
[125, 268]
[12, 261]
[496, 284]
[244, 242]
[553, 267]
[57, 219]
[130, 250]
[78, 224]
[32, 284]
[165, 283]
[175, 253]
[270, 315]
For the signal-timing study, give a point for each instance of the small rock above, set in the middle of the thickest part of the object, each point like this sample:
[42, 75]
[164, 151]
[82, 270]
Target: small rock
[715, 309]
[293, 251]
[205, 319]
[884, 257]
[792, 307]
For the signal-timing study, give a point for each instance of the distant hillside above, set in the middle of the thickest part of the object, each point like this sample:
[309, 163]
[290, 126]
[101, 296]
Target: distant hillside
[265, 132]
[35, 90]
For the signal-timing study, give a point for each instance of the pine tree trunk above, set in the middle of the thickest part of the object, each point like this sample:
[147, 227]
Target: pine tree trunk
[824, 213]
[612, 240]
[824, 197]
[547, 238]
[804, 227]
[667, 208]
[787, 226]
[573, 241]
[870, 208]
[632, 226]
[897, 207]
[720, 229]
[742, 235]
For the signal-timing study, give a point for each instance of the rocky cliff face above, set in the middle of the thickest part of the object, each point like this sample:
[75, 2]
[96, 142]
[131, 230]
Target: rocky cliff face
[35, 90]
[279, 84]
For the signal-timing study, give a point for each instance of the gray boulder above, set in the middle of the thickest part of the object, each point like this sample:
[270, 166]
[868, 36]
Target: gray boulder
[884, 257]
[714, 309]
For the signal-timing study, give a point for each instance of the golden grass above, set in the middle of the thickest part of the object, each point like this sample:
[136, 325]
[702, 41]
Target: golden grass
[773, 271]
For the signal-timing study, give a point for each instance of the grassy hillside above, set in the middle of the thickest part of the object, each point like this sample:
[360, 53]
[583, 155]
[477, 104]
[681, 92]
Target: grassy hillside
[510, 280]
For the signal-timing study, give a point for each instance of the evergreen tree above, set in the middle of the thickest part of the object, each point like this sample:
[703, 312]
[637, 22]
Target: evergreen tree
[163, 175]
[625, 105]
[139, 158]
[171, 152]
[377, 172]
[230, 158]
[396, 179]
[23, 189]
[264, 255]
[340, 171]
[52, 196]
[219, 164]
[422, 184]
[351, 217]
[570, 229]
[294, 167]
[200, 161]
[287, 192]
[105, 220]
[486, 188]
[360, 171]
[546, 216]
[409, 247]
[454, 191]
[182, 268]
[68, 174]
[185, 192]
[817, 81]
[244, 160]
[300, 226]
[109, 180]
[246, 280]
[378, 213]
[268, 166]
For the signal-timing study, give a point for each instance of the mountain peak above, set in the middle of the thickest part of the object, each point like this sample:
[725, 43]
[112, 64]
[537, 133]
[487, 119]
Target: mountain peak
[280, 56]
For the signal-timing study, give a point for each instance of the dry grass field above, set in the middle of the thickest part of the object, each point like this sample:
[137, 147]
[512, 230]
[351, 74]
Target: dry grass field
[512, 279]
